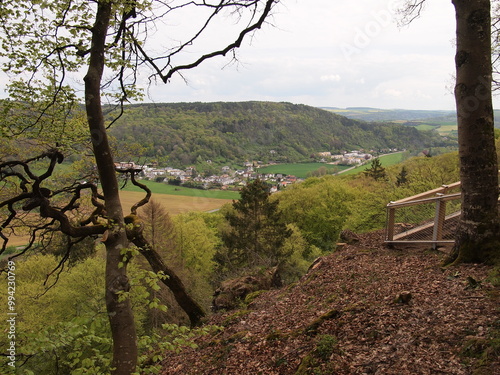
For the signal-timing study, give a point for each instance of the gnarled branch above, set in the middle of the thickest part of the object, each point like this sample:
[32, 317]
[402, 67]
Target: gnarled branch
[34, 196]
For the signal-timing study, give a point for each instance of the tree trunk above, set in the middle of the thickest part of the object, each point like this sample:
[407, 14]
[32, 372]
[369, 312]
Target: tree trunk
[477, 234]
[119, 309]
[173, 282]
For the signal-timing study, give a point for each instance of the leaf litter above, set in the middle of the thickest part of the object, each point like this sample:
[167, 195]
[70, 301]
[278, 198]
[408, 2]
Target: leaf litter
[365, 309]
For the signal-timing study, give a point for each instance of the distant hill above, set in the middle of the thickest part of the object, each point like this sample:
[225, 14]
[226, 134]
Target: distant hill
[443, 121]
[191, 133]
[377, 114]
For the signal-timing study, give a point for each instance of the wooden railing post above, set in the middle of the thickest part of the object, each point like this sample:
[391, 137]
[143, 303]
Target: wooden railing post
[391, 217]
[437, 233]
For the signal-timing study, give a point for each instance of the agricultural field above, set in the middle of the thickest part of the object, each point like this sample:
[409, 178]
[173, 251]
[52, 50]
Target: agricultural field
[444, 122]
[425, 127]
[301, 170]
[447, 130]
[386, 160]
[444, 128]
[175, 204]
[162, 188]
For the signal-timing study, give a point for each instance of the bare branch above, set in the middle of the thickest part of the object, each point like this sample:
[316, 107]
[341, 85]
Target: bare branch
[410, 11]
[171, 70]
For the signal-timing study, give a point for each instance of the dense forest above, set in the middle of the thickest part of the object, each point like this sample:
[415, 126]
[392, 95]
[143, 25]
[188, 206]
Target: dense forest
[183, 134]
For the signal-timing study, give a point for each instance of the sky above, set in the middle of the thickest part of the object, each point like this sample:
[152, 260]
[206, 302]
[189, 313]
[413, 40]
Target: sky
[323, 53]
[334, 53]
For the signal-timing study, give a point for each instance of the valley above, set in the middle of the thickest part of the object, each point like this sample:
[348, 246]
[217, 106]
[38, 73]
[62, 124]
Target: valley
[208, 136]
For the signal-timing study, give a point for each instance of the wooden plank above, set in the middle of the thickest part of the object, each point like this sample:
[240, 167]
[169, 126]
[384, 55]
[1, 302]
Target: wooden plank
[443, 189]
[421, 241]
[424, 227]
[424, 200]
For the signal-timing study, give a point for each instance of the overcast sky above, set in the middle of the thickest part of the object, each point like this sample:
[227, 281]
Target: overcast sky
[327, 53]
[335, 53]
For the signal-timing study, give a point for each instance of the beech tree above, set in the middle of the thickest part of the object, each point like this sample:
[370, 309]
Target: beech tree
[54, 51]
[477, 236]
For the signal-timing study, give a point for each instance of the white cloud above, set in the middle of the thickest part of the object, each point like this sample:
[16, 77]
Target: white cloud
[393, 92]
[331, 78]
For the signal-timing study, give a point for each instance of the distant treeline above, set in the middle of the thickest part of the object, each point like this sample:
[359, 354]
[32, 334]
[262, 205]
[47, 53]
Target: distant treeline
[181, 134]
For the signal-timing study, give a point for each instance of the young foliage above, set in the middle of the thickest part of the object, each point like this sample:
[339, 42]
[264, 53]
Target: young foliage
[72, 335]
[319, 208]
[196, 242]
[302, 254]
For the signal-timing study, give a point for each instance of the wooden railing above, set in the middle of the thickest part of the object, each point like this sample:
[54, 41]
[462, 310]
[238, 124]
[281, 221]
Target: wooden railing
[436, 225]
[424, 218]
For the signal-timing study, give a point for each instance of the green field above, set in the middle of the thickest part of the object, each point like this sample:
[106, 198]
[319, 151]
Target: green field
[447, 129]
[425, 127]
[443, 127]
[386, 160]
[162, 188]
[174, 204]
[300, 170]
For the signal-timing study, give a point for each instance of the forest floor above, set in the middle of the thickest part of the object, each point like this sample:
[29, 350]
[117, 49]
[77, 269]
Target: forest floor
[365, 309]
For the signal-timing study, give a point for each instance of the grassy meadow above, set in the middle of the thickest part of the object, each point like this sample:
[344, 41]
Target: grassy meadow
[443, 127]
[300, 170]
[386, 160]
[162, 188]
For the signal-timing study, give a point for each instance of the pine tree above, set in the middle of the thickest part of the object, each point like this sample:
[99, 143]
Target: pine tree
[255, 233]
[376, 171]
[402, 178]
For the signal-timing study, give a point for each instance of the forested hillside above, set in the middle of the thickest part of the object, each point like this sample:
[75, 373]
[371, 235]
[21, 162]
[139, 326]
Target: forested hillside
[181, 134]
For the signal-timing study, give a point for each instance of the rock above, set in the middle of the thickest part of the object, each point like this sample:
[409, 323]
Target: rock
[232, 292]
[340, 246]
[349, 237]
[403, 297]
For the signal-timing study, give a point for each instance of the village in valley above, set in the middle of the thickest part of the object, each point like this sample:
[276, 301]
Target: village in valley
[235, 178]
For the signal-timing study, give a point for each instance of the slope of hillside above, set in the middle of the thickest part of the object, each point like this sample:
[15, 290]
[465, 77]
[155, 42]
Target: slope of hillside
[344, 317]
[190, 133]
